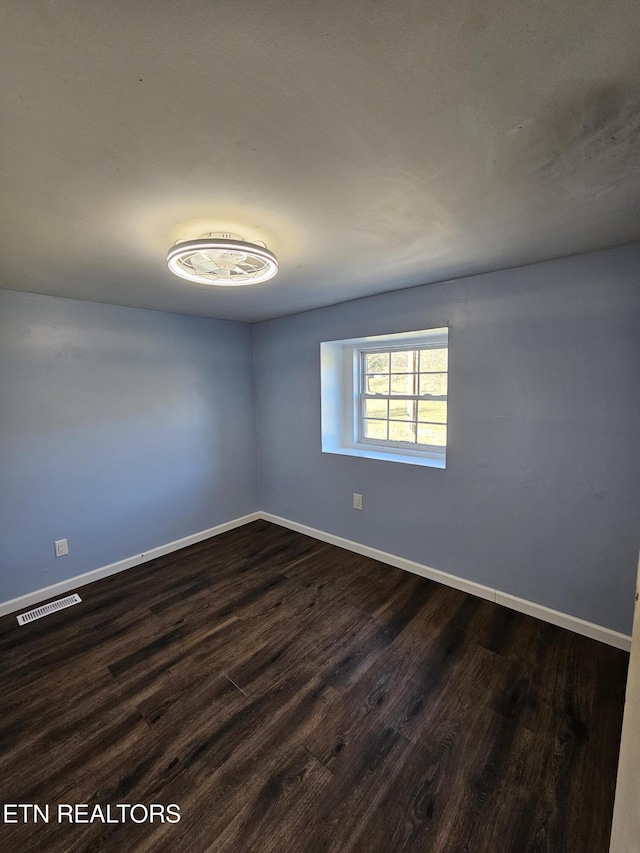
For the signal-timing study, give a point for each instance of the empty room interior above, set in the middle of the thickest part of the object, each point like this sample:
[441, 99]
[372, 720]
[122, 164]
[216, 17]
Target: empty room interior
[319, 418]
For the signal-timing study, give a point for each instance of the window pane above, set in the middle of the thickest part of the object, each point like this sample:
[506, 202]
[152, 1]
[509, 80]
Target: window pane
[376, 409]
[402, 410]
[377, 384]
[377, 362]
[433, 383]
[433, 359]
[404, 362]
[435, 411]
[375, 429]
[404, 383]
[389, 379]
[432, 434]
[402, 431]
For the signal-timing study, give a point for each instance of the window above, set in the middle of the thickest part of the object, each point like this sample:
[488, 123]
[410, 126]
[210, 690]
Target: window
[385, 397]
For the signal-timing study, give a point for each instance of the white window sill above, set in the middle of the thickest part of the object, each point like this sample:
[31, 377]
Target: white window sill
[390, 456]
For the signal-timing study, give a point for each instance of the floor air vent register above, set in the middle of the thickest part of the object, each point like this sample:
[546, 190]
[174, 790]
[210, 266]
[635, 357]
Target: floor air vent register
[46, 609]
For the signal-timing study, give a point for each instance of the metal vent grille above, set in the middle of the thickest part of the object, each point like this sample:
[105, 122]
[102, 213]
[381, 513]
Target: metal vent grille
[46, 609]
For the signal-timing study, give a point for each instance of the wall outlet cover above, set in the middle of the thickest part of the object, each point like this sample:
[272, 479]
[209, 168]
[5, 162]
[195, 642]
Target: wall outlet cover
[61, 547]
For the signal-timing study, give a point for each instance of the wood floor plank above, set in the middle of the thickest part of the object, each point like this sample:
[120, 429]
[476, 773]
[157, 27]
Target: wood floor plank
[279, 810]
[289, 695]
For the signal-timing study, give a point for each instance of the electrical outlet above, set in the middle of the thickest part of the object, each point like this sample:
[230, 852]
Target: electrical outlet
[357, 501]
[62, 547]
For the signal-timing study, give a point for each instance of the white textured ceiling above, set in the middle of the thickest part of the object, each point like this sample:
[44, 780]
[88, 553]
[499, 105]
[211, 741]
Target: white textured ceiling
[373, 144]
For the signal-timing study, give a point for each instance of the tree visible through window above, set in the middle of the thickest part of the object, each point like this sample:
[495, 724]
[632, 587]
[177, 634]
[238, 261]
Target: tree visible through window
[384, 397]
[403, 396]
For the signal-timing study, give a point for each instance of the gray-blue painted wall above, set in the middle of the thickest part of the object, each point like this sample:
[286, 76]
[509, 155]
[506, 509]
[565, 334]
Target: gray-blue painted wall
[541, 495]
[123, 429]
[120, 430]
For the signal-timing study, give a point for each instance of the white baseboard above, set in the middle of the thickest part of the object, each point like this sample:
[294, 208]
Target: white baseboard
[564, 620]
[383, 557]
[56, 589]
[539, 611]
[555, 617]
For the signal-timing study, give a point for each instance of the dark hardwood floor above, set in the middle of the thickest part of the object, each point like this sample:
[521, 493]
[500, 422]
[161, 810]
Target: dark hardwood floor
[291, 696]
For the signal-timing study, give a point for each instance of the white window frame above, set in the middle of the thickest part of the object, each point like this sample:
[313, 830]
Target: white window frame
[340, 363]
